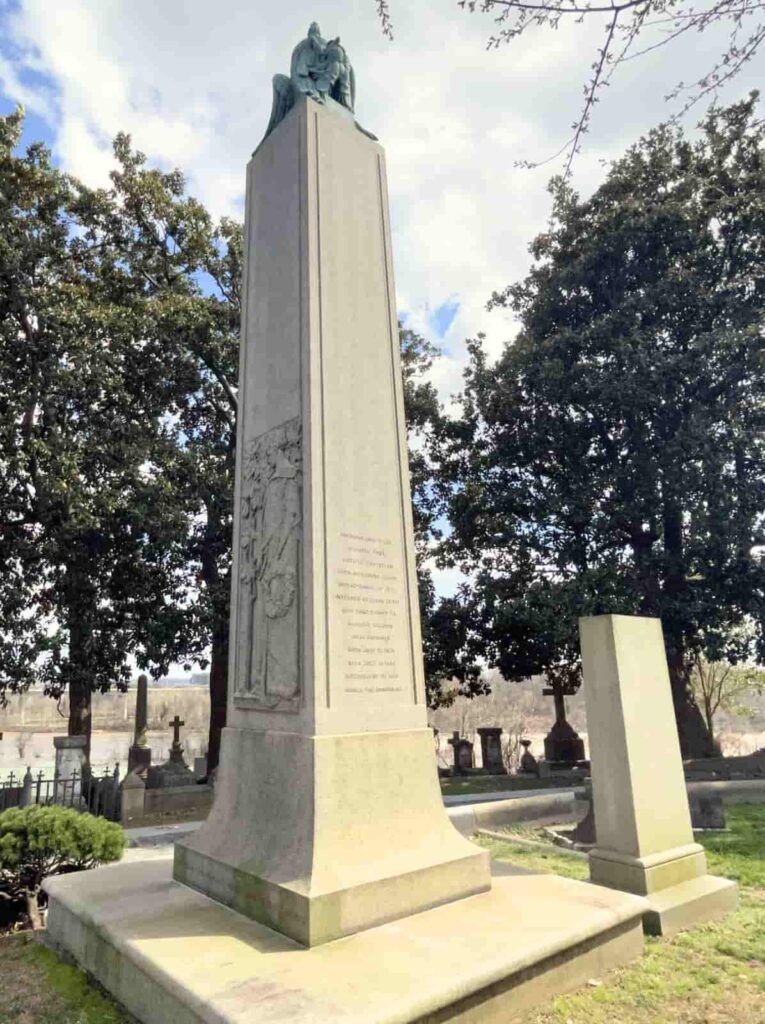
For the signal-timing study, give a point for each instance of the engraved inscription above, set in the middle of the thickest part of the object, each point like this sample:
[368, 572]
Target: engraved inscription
[268, 659]
[368, 590]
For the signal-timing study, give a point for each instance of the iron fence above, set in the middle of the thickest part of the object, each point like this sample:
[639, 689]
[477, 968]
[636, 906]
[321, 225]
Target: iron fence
[83, 791]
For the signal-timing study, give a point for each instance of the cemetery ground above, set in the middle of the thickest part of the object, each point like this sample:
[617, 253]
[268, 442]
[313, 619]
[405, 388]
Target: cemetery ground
[710, 975]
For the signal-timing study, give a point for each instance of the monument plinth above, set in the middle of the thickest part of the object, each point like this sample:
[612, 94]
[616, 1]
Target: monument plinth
[328, 816]
[644, 841]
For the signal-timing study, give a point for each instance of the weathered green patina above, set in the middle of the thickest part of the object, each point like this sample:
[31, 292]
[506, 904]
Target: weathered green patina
[319, 68]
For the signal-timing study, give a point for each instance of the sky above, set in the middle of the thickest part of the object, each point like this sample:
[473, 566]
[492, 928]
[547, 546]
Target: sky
[190, 80]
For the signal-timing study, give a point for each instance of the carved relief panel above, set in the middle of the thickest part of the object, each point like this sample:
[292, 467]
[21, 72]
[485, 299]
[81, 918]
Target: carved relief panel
[268, 634]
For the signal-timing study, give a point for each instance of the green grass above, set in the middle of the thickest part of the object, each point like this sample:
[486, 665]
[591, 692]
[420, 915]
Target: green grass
[36, 987]
[713, 974]
[739, 853]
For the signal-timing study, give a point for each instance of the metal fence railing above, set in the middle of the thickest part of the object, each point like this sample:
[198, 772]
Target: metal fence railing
[83, 791]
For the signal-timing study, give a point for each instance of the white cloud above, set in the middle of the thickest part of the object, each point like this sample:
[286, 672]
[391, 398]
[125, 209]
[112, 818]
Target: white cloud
[192, 83]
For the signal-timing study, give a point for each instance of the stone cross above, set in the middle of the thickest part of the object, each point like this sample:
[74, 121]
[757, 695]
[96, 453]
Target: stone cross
[176, 724]
[176, 751]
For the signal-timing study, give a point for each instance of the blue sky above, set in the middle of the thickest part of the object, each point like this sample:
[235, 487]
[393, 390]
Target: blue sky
[192, 84]
[195, 92]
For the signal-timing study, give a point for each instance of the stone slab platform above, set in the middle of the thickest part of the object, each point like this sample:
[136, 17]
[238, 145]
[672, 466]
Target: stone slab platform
[173, 956]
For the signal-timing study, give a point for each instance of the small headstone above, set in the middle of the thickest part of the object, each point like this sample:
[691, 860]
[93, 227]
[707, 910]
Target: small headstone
[70, 763]
[463, 754]
[707, 811]
[25, 798]
[133, 795]
[491, 750]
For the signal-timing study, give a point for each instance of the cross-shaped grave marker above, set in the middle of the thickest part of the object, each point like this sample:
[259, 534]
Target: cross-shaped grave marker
[176, 751]
[176, 724]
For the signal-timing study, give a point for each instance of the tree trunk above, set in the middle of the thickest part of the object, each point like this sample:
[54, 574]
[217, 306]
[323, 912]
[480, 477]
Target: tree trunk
[33, 912]
[218, 692]
[80, 720]
[695, 737]
[695, 740]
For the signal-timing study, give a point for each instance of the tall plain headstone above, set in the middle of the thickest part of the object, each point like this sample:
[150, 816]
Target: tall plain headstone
[139, 754]
[328, 817]
[491, 750]
[644, 837]
[70, 756]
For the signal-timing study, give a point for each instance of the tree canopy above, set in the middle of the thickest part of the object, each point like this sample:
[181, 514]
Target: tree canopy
[613, 459]
[116, 419]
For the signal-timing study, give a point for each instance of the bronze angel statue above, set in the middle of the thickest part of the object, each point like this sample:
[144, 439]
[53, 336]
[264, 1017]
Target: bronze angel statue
[320, 69]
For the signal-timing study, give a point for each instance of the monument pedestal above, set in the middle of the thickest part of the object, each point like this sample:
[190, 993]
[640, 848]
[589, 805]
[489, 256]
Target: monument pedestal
[337, 833]
[644, 839]
[169, 954]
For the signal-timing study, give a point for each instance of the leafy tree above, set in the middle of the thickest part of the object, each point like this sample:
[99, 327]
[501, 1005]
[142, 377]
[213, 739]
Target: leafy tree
[87, 517]
[628, 25]
[613, 459]
[185, 271]
[722, 686]
[38, 841]
[445, 621]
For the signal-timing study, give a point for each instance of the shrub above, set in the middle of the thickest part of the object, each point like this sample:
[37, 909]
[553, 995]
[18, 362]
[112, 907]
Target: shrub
[38, 841]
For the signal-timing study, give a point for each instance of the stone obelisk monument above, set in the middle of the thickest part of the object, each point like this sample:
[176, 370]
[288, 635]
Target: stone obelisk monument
[328, 816]
[328, 821]
[139, 754]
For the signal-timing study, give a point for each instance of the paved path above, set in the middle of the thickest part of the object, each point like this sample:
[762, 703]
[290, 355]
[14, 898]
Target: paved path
[164, 835]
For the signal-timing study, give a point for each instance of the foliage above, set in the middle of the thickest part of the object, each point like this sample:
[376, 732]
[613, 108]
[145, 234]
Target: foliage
[37, 841]
[117, 422]
[613, 459]
[628, 24]
[723, 686]
[187, 271]
[445, 622]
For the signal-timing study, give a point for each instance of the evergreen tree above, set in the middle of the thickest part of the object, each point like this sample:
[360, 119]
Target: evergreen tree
[613, 459]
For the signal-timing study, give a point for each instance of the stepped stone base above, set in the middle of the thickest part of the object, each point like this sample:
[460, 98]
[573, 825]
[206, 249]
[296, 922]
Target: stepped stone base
[171, 955]
[690, 903]
[675, 883]
[373, 844]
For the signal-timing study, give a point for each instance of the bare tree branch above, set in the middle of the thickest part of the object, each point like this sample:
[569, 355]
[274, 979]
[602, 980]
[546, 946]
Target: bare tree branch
[626, 20]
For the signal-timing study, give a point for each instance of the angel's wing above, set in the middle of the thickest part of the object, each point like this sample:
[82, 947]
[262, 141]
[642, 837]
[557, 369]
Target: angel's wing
[284, 100]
